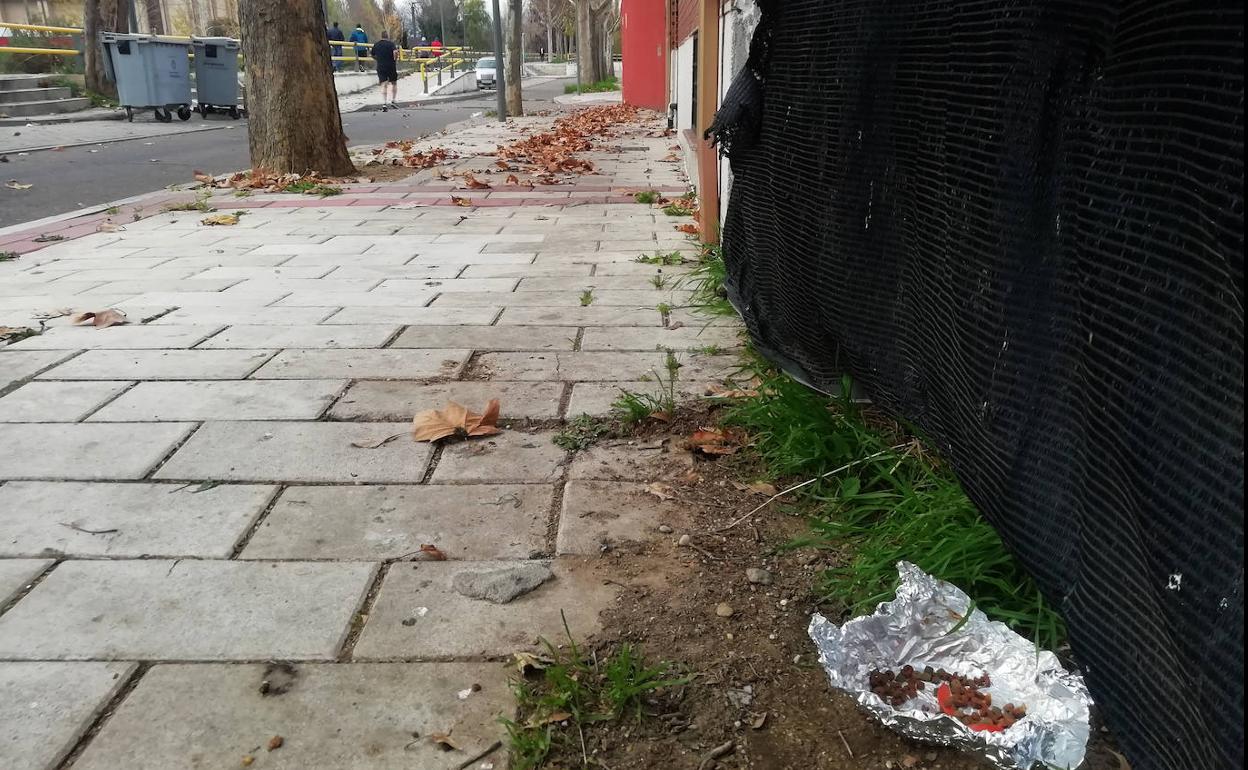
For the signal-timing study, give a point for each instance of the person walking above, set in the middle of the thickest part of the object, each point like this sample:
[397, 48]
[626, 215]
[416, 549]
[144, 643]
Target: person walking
[336, 33]
[358, 35]
[386, 56]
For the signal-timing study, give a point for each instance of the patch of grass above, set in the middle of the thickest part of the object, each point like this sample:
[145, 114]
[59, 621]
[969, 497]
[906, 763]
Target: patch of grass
[706, 279]
[885, 499]
[587, 297]
[310, 187]
[662, 258]
[576, 691]
[646, 196]
[581, 433]
[8, 256]
[664, 308]
[678, 208]
[707, 350]
[632, 408]
[199, 204]
[658, 280]
[242, 193]
[112, 210]
[608, 83]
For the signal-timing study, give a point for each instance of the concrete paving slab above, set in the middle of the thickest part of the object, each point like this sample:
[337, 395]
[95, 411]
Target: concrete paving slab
[419, 615]
[363, 364]
[57, 401]
[294, 285]
[685, 338]
[374, 400]
[300, 451]
[603, 514]
[201, 299]
[46, 707]
[579, 316]
[16, 574]
[524, 271]
[155, 609]
[451, 286]
[160, 365]
[16, 365]
[130, 337]
[217, 400]
[357, 716]
[415, 316]
[250, 272]
[83, 451]
[371, 523]
[236, 316]
[509, 299]
[410, 272]
[570, 366]
[503, 338]
[126, 520]
[311, 336]
[509, 456]
[330, 298]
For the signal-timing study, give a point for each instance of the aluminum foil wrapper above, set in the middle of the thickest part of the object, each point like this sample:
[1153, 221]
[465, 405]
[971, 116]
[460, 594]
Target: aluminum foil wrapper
[914, 629]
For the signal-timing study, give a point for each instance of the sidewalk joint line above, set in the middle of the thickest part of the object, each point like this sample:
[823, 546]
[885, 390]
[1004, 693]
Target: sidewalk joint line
[360, 616]
[21, 594]
[102, 716]
[246, 536]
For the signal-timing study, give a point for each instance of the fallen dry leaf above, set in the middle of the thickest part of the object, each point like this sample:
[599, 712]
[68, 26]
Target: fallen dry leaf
[13, 184]
[758, 488]
[758, 721]
[458, 201]
[276, 742]
[220, 219]
[108, 227]
[714, 442]
[688, 229]
[716, 391]
[375, 444]
[549, 719]
[472, 183]
[203, 178]
[527, 661]
[443, 741]
[455, 420]
[432, 552]
[660, 490]
[100, 319]
[512, 179]
[247, 760]
[8, 333]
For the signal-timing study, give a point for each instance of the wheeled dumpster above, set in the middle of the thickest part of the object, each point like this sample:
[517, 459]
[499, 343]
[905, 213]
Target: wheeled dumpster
[151, 72]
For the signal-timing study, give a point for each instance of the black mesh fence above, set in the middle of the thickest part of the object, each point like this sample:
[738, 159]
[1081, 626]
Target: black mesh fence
[1020, 225]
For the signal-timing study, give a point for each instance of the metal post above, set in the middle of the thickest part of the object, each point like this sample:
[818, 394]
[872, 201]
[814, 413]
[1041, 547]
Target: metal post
[576, 40]
[500, 84]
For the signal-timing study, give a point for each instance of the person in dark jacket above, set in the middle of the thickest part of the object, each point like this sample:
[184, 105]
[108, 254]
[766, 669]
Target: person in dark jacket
[386, 55]
[358, 35]
[335, 33]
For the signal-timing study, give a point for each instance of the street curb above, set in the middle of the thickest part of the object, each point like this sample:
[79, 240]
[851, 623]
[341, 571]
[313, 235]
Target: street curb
[46, 147]
[59, 120]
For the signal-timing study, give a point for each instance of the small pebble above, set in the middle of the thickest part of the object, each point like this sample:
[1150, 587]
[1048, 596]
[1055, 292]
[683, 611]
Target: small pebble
[665, 529]
[758, 576]
[724, 610]
[684, 540]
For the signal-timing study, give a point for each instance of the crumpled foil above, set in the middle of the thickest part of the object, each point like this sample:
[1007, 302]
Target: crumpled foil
[914, 629]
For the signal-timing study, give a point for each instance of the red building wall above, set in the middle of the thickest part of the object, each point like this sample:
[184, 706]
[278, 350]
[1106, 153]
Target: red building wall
[643, 43]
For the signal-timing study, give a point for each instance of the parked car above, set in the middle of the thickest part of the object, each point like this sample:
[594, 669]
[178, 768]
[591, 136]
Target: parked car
[485, 72]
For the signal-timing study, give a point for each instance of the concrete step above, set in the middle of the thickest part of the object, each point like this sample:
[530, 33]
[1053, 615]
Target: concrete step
[44, 107]
[19, 95]
[21, 82]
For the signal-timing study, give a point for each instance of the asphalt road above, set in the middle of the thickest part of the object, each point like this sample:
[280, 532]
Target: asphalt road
[74, 177]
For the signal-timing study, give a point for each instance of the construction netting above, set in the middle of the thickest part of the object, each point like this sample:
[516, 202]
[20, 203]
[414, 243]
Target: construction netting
[1019, 224]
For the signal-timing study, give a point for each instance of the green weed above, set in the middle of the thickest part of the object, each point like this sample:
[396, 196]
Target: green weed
[608, 83]
[678, 208]
[199, 204]
[8, 256]
[885, 499]
[581, 432]
[587, 297]
[242, 193]
[658, 280]
[112, 210]
[310, 187]
[706, 279]
[661, 258]
[664, 308]
[575, 691]
[646, 196]
[631, 407]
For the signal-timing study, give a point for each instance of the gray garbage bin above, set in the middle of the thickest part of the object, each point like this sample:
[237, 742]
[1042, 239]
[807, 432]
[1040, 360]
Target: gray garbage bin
[151, 72]
[216, 75]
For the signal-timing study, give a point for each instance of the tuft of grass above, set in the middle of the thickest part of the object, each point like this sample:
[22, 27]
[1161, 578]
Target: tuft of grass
[661, 258]
[631, 408]
[707, 350]
[608, 83]
[112, 210]
[242, 193]
[9, 256]
[886, 499]
[663, 308]
[658, 280]
[678, 208]
[646, 196]
[587, 297]
[706, 279]
[310, 187]
[575, 691]
[581, 432]
[199, 204]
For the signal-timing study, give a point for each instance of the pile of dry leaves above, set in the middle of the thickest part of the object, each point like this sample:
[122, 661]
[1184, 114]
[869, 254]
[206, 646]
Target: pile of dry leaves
[554, 151]
[420, 159]
[263, 181]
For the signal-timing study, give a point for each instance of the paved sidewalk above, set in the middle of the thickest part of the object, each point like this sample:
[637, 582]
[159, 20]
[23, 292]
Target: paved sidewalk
[209, 537]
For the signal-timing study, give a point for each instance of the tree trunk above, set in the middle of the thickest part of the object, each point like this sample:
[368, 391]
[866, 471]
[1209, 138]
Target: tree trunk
[589, 40]
[155, 22]
[515, 56]
[98, 16]
[550, 33]
[295, 126]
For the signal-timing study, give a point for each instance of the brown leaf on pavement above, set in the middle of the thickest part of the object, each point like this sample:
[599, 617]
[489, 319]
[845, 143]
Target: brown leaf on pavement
[473, 183]
[455, 420]
[661, 490]
[443, 741]
[432, 552]
[203, 178]
[458, 201]
[688, 229]
[512, 179]
[220, 219]
[276, 742]
[13, 184]
[100, 319]
[527, 661]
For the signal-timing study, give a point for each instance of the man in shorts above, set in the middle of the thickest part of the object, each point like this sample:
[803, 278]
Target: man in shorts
[386, 54]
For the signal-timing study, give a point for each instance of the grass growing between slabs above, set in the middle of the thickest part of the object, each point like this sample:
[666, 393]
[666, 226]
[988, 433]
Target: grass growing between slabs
[561, 695]
[878, 496]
